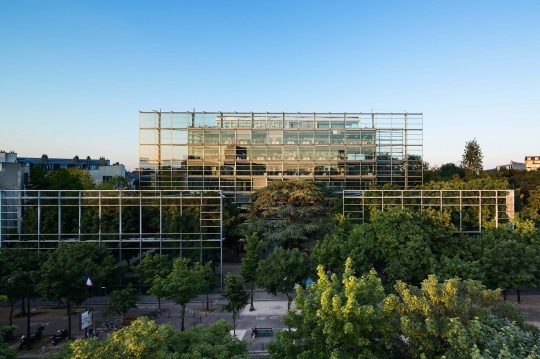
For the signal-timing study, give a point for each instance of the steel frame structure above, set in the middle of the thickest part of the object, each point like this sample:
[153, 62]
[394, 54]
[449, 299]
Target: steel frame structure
[239, 152]
[131, 223]
[471, 210]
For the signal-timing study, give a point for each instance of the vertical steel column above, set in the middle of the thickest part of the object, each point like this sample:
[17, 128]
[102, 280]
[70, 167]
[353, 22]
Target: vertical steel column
[59, 216]
[160, 222]
[221, 238]
[461, 210]
[201, 221]
[406, 154]
[120, 225]
[99, 217]
[480, 193]
[181, 211]
[19, 216]
[39, 220]
[80, 213]
[1, 220]
[140, 226]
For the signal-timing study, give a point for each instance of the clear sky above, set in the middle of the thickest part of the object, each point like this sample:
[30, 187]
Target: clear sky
[73, 74]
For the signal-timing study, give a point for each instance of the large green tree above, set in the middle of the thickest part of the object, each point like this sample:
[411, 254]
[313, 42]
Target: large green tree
[151, 270]
[182, 285]
[122, 300]
[145, 339]
[339, 317]
[208, 279]
[399, 243]
[115, 183]
[291, 213]
[62, 275]
[472, 159]
[511, 259]
[458, 319]
[337, 246]
[16, 266]
[237, 297]
[250, 263]
[282, 271]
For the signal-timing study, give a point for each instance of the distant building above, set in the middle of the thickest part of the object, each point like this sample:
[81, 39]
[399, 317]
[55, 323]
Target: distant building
[100, 169]
[11, 172]
[532, 163]
[511, 166]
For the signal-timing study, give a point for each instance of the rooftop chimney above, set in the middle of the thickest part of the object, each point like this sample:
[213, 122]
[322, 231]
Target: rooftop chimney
[44, 158]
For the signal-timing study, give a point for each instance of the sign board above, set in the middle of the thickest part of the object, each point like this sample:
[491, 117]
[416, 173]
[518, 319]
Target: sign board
[87, 319]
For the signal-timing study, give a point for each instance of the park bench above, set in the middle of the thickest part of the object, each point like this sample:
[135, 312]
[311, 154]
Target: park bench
[265, 332]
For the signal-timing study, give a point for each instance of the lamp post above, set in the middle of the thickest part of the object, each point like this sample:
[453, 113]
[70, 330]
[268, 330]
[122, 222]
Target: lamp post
[13, 280]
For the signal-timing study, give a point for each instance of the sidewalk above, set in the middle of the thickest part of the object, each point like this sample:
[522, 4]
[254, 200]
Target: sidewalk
[268, 313]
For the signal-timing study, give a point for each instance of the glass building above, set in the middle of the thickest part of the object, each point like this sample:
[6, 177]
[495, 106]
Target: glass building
[239, 152]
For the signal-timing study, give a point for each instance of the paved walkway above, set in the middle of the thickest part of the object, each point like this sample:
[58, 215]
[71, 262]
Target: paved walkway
[268, 313]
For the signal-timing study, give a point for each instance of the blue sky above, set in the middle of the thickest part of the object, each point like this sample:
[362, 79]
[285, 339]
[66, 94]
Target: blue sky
[73, 74]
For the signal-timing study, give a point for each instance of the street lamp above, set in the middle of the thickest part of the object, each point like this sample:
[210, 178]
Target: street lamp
[13, 280]
[105, 290]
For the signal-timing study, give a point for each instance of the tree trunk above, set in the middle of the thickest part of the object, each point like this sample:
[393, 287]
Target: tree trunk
[234, 325]
[23, 307]
[505, 293]
[518, 296]
[159, 303]
[251, 308]
[207, 308]
[183, 316]
[11, 310]
[68, 306]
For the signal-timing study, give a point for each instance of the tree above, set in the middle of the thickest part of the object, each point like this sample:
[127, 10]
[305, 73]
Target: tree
[399, 243]
[250, 263]
[62, 275]
[510, 259]
[181, 285]
[291, 213]
[457, 319]
[5, 351]
[84, 177]
[145, 339]
[208, 278]
[122, 300]
[337, 246]
[449, 171]
[63, 179]
[17, 263]
[151, 267]
[472, 158]
[340, 317]
[281, 272]
[115, 183]
[236, 296]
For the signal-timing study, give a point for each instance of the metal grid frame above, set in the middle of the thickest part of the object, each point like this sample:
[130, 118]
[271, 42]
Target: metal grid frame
[131, 223]
[239, 152]
[471, 210]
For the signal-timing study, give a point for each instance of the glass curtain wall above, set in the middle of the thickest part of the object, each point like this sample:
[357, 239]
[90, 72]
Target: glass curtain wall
[241, 152]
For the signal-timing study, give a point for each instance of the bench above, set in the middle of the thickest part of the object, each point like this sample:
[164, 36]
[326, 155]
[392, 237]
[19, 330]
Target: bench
[265, 332]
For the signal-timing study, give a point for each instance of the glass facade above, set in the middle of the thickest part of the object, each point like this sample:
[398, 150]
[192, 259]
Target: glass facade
[241, 152]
